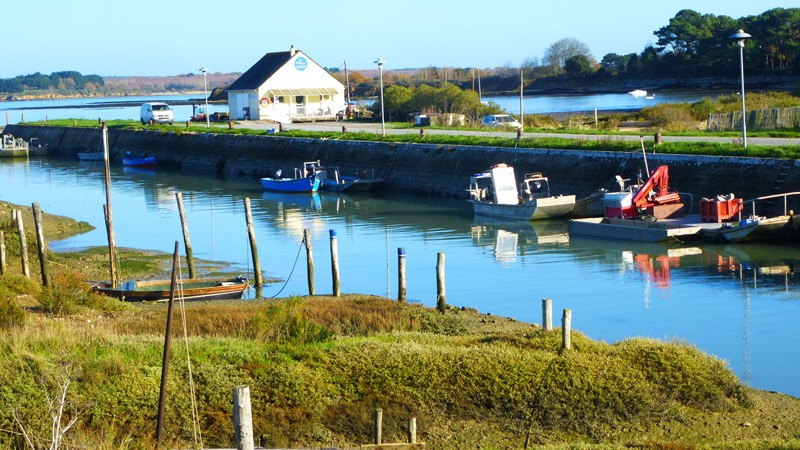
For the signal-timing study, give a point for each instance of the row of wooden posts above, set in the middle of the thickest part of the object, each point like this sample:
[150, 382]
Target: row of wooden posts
[16, 216]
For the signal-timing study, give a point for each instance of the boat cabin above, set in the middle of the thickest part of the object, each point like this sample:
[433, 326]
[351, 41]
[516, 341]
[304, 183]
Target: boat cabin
[534, 186]
[497, 185]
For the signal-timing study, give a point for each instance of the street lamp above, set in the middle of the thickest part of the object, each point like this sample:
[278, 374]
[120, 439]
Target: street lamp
[740, 37]
[205, 92]
[380, 62]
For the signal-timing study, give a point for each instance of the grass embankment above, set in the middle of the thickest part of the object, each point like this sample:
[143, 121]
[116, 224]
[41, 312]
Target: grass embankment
[318, 367]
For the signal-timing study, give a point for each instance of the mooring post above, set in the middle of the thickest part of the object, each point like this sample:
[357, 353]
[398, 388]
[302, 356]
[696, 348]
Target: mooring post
[242, 418]
[547, 314]
[401, 275]
[441, 301]
[566, 326]
[23, 244]
[41, 244]
[187, 242]
[378, 426]
[251, 234]
[335, 264]
[2, 253]
[162, 393]
[412, 431]
[309, 260]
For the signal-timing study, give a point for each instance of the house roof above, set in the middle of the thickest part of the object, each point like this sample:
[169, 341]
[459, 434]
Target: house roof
[260, 72]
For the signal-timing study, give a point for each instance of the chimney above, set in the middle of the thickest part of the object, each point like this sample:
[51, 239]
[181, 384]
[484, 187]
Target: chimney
[291, 50]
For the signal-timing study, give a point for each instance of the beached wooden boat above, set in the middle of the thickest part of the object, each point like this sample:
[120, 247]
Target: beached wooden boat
[494, 193]
[192, 289]
[11, 147]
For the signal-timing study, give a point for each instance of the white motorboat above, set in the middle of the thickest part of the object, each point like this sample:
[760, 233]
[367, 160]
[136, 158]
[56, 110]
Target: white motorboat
[638, 93]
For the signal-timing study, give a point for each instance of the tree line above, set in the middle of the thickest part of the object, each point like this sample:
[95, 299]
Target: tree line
[63, 82]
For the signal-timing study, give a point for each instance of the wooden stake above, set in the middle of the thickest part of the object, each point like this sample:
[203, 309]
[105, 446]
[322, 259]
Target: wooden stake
[251, 233]
[309, 260]
[566, 326]
[242, 418]
[335, 264]
[41, 244]
[2, 253]
[187, 242]
[412, 431]
[378, 426]
[547, 314]
[441, 302]
[401, 275]
[112, 240]
[23, 245]
[165, 357]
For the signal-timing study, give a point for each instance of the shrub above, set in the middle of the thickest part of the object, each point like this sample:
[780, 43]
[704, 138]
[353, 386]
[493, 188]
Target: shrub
[69, 293]
[11, 313]
[285, 322]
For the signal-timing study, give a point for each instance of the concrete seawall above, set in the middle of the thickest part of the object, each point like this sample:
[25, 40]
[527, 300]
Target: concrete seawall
[441, 170]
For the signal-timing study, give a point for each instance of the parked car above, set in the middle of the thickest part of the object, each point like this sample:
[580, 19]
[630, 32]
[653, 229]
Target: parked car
[157, 112]
[500, 120]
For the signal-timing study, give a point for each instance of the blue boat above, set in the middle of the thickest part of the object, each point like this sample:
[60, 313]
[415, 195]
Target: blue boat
[138, 161]
[305, 180]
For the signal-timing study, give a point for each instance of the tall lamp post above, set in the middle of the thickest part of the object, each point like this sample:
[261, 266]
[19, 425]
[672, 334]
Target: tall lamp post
[380, 62]
[740, 37]
[205, 92]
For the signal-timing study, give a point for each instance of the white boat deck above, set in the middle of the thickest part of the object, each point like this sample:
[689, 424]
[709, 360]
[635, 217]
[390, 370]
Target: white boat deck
[643, 230]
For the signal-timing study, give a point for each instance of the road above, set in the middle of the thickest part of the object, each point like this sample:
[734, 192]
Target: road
[368, 127]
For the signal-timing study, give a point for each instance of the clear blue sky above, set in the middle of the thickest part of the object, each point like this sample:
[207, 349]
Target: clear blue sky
[171, 37]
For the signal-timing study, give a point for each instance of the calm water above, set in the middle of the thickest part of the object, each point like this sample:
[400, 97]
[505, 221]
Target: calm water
[740, 303]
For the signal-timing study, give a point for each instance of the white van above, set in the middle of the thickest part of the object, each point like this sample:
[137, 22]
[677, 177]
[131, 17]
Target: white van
[500, 121]
[157, 112]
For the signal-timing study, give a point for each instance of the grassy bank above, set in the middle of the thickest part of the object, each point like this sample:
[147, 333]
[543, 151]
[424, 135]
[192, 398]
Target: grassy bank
[317, 368]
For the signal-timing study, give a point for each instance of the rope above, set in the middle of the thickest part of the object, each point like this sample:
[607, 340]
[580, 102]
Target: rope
[192, 394]
[302, 244]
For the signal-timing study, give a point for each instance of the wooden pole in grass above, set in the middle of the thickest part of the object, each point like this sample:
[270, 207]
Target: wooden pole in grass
[378, 426]
[441, 301]
[23, 245]
[251, 233]
[242, 418]
[566, 327]
[41, 244]
[335, 264]
[547, 314]
[187, 242]
[401, 275]
[309, 260]
[2, 253]
[412, 431]
[162, 396]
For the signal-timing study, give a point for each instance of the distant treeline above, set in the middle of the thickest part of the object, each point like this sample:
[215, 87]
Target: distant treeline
[64, 82]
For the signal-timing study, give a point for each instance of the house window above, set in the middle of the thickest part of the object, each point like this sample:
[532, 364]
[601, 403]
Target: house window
[300, 99]
[326, 97]
[279, 99]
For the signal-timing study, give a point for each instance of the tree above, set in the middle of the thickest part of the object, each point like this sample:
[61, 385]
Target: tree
[615, 63]
[579, 65]
[557, 54]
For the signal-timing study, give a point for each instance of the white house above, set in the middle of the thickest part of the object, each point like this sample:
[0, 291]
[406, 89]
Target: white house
[286, 86]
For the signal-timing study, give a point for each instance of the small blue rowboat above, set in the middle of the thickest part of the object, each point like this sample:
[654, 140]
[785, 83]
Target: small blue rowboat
[140, 161]
[308, 184]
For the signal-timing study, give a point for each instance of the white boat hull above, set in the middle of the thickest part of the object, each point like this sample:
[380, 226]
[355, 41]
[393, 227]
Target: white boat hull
[539, 208]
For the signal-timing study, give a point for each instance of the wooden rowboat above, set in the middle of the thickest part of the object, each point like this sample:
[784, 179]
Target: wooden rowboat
[158, 290]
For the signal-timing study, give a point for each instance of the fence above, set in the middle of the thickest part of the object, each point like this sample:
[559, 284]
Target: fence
[766, 119]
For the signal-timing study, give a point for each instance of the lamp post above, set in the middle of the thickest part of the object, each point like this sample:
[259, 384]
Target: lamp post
[205, 92]
[740, 37]
[380, 62]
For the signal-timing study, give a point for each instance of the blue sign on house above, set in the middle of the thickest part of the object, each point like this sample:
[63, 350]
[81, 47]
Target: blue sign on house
[300, 64]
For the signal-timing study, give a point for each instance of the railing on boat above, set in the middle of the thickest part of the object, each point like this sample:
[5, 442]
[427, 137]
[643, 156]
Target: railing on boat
[767, 197]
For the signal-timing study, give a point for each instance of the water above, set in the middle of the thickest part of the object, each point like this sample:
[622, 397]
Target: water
[739, 303]
[107, 108]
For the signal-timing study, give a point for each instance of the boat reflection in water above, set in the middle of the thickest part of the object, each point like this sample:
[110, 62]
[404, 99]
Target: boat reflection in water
[508, 239]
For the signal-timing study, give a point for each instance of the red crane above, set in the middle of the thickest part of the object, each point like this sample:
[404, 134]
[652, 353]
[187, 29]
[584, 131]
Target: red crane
[655, 191]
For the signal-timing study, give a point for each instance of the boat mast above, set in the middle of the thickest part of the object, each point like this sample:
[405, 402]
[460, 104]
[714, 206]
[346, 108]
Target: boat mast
[112, 243]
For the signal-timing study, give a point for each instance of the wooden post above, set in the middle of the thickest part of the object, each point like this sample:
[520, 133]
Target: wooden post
[309, 260]
[547, 314]
[112, 247]
[162, 396]
[23, 245]
[566, 326]
[401, 275]
[41, 244]
[378, 426]
[242, 418]
[251, 233]
[412, 431]
[2, 253]
[441, 301]
[335, 264]
[187, 242]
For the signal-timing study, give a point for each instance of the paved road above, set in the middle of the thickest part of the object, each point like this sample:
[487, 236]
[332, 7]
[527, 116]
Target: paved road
[368, 127]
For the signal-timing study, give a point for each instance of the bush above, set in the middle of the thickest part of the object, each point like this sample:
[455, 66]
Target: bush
[69, 294]
[671, 116]
[12, 314]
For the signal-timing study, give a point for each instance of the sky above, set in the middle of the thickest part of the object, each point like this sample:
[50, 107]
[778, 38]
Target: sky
[175, 37]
